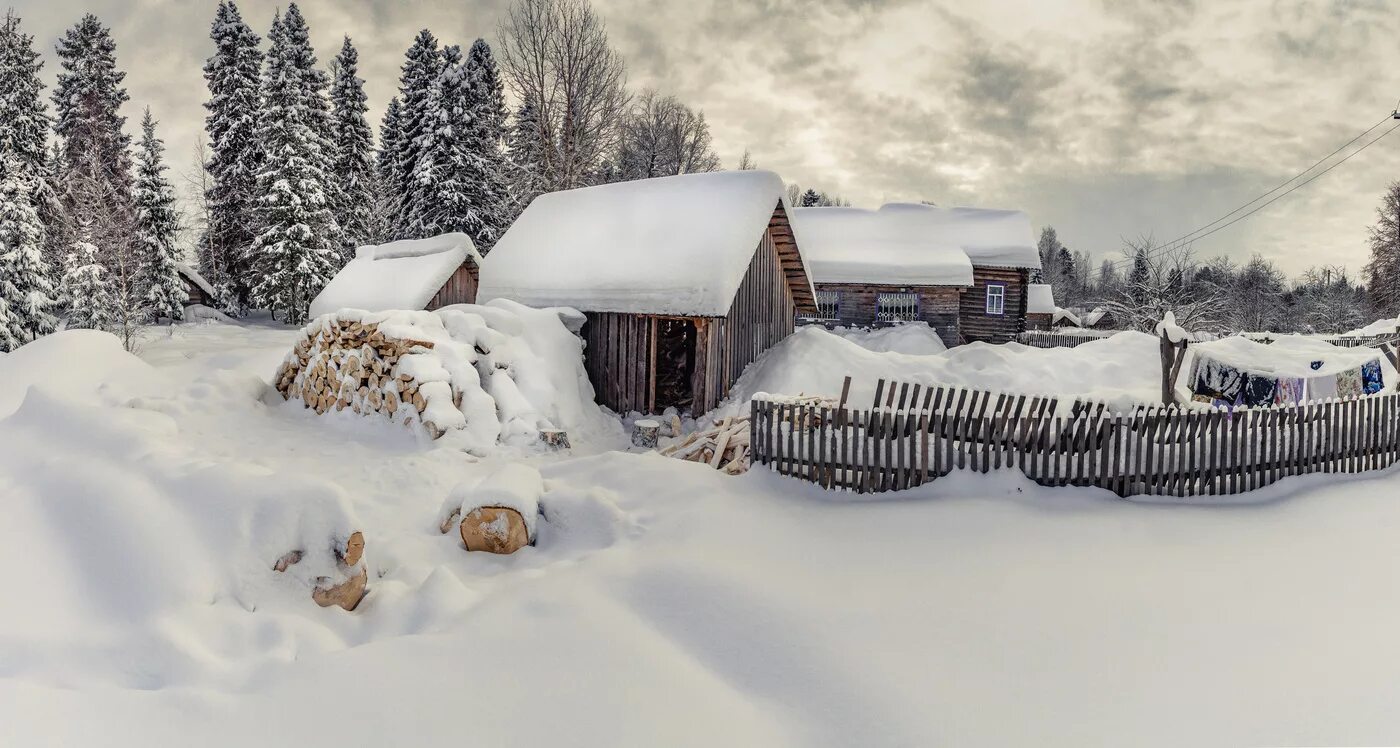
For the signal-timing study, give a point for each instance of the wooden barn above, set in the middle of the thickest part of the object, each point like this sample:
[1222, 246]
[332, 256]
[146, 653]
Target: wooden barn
[881, 267]
[1040, 306]
[683, 280]
[964, 271]
[409, 274]
[196, 288]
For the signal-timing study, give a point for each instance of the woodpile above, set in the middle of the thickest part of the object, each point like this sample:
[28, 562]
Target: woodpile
[351, 364]
[724, 446]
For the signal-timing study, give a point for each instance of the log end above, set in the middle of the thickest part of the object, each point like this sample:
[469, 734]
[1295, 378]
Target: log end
[346, 594]
[494, 529]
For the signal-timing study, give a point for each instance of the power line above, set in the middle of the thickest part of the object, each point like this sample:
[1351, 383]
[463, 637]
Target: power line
[1197, 234]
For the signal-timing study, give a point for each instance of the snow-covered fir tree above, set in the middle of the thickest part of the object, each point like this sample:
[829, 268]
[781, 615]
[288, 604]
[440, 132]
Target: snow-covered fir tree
[24, 275]
[526, 153]
[24, 120]
[422, 66]
[234, 110]
[353, 141]
[386, 168]
[1382, 272]
[157, 222]
[486, 133]
[295, 254]
[87, 103]
[811, 198]
[440, 196]
[90, 305]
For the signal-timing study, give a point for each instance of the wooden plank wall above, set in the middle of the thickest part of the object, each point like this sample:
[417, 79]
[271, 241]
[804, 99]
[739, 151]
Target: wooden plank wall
[976, 324]
[938, 305]
[920, 434]
[617, 354]
[762, 314]
[460, 287]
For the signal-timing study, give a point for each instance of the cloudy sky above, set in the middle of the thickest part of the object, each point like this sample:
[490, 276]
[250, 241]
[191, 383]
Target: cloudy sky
[1104, 118]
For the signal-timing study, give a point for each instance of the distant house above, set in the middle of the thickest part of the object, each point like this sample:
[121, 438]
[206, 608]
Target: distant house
[877, 267]
[1100, 318]
[198, 289]
[963, 271]
[409, 274]
[1040, 306]
[683, 280]
[1065, 318]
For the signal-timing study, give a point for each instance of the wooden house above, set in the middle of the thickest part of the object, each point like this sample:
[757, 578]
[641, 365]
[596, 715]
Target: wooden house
[198, 289]
[1040, 306]
[874, 268]
[964, 271]
[409, 274]
[683, 280]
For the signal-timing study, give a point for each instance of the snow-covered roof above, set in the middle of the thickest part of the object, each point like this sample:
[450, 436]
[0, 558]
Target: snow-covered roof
[855, 245]
[195, 278]
[1040, 299]
[1094, 316]
[991, 238]
[398, 275]
[1065, 315]
[673, 245]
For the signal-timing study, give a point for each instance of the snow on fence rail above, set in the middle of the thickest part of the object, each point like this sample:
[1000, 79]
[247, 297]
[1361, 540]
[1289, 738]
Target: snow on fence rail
[921, 434]
[1041, 339]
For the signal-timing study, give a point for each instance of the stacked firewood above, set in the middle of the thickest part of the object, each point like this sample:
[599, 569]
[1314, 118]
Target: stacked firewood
[346, 363]
[723, 446]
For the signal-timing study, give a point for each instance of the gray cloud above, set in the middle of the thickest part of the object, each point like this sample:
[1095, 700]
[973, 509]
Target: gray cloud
[1105, 118]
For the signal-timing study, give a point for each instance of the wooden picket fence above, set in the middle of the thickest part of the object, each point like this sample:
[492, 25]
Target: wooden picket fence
[1041, 339]
[918, 434]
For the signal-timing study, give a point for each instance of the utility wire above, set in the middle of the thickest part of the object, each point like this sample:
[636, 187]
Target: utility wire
[1197, 234]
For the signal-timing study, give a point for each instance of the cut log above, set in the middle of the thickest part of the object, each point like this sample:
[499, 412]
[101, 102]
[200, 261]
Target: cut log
[676, 426]
[352, 549]
[288, 559]
[555, 438]
[450, 521]
[494, 529]
[645, 433]
[346, 594]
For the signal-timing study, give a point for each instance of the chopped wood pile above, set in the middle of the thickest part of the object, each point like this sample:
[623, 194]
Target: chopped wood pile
[725, 445]
[351, 364]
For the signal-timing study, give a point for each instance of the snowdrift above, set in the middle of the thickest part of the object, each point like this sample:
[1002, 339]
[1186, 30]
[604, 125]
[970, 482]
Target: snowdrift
[497, 374]
[915, 339]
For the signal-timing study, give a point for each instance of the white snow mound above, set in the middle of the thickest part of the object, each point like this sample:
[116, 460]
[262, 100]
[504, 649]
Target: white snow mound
[513, 486]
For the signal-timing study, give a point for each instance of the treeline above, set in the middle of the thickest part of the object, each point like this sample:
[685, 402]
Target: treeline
[290, 178]
[1214, 295]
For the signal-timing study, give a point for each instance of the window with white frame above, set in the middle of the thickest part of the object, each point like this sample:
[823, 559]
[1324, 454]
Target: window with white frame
[996, 298]
[896, 307]
[829, 305]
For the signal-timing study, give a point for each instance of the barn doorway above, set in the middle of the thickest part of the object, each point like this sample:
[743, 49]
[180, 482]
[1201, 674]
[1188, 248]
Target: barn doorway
[673, 379]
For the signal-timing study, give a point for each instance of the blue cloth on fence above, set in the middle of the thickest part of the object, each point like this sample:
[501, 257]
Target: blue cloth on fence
[1372, 381]
[1259, 391]
[1218, 380]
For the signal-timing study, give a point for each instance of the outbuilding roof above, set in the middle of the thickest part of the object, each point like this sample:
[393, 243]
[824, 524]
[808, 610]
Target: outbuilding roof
[399, 275]
[672, 245]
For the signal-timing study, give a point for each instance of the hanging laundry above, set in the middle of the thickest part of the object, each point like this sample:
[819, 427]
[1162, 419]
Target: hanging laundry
[1289, 391]
[1372, 381]
[1259, 390]
[1316, 365]
[1228, 405]
[1349, 384]
[1322, 388]
[1218, 380]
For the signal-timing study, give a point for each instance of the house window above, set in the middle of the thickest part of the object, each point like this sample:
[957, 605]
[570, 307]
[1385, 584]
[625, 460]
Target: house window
[996, 298]
[897, 307]
[829, 305]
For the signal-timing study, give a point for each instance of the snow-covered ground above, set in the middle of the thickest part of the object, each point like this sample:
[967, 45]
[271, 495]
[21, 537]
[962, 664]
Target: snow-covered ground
[664, 603]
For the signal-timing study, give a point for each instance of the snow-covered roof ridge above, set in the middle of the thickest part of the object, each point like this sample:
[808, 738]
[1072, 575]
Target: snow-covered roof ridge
[857, 245]
[1040, 299]
[405, 274]
[671, 245]
[991, 237]
[189, 272]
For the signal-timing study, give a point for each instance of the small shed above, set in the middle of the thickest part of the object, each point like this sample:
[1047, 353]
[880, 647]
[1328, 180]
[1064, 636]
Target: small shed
[881, 267]
[410, 274]
[1001, 247]
[1065, 318]
[1099, 318]
[1040, 306]
[197, 289]
[683, 280]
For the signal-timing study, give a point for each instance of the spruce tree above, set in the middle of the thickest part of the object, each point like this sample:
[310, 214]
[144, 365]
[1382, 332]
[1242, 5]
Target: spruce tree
[811, 198]
[163, 290]
[90, 305]
[387, 175]
[24, 120]
[24, 276]
[440, 195]
[422, 65]
[486, 131]
[234, 110]
[526, 155]
[354, 153]
[1382, 272]
[294, 253]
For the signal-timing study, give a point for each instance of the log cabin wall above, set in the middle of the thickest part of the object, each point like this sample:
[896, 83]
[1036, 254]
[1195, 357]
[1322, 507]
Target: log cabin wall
[974, 321]
[195, 293]
[1037, 321]
[617, 356]
[460, 287]
[938, 305]
[762, 313]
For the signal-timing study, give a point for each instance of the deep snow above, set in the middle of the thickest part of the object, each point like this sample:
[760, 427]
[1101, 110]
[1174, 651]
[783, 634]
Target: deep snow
[664, 603]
